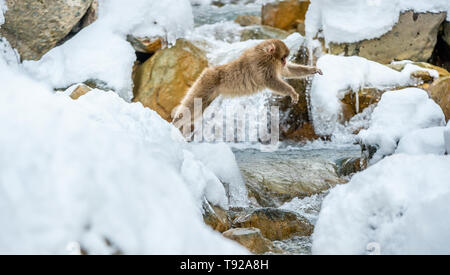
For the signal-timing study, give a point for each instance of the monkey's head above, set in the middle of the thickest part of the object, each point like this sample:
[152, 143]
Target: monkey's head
[276, 49]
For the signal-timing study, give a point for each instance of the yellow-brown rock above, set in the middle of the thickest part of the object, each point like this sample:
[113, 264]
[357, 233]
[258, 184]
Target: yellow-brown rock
[81, 90]
[248, 20]
[284, 15]
[275, 224]
[163, 80]
[252, 239]
[146, 44]
[440, 93]
[215, 217]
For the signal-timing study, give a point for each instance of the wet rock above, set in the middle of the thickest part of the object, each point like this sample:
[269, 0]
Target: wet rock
[350, 166]
[148, 45]
[440, 93]
[262, 33]
[252, 239]
[91, 15]
[163, 80]
[275, 224]
[412, 38]
[215, 217]
[366, 97]
[81, 90]
[446, 32]
[271, 182]
[284, 15]
[35, 27]
[248, 20]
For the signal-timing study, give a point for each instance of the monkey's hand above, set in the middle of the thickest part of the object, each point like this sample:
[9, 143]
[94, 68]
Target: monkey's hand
[318, 71]
[294, 98]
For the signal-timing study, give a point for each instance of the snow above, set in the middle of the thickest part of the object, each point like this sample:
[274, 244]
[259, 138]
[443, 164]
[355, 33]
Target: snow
[342, 75]
[398, 205]
[397, 114]
[3, 9]
[423, 141]
[99, 170]
[101, 52]
[348, 21]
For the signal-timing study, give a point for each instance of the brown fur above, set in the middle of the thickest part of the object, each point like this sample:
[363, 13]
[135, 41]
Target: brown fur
[258, 68]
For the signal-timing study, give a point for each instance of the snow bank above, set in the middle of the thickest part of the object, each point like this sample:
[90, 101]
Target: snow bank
[342, 75]
[356, 20]
[398, 113]
[423, 141]
[101, 52]
[96, 171]
[399, 205]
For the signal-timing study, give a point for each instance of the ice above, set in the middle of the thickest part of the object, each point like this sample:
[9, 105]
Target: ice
[100, 173]
[3, 9]
[423, 141]
[447, 138]
[397, 206]
[101, 52]
[356, 20]
[397, 114]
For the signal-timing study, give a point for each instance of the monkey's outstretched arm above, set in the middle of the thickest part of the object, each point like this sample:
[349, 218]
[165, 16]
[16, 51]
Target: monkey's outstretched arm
[292, 70]
[282, 88]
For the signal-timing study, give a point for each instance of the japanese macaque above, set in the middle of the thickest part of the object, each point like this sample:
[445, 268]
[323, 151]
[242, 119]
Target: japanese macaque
[260, 67]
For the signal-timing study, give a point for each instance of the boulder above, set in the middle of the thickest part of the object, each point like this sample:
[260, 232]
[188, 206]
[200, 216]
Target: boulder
[148, 45]
[215, 217]
[252, 239]
[275, 224]
[440, 93]
[35, 27]
[446, 32]
[262, 33]
[284, 15]
[274, 181]
[412, 38]
[248, 20]
[350, 166]
[81, 90]
[163, 80]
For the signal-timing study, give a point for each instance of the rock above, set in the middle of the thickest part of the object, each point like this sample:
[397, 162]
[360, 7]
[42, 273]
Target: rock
[248, 20]
[163, 80]
[441, 71]
[275, 224]
[262, 32]
[271, 181]
[446, 32]
[303, 134]
[35, 27]
[284, 15]
[350, 166]
[440, 93]
[91, 15]
[215, 217]
[146, 44]
[252, 239]
[366, 97]
[81, 90]
[412, 38]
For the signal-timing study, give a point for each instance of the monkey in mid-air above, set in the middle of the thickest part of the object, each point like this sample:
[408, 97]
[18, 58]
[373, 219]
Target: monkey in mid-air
[260, 67]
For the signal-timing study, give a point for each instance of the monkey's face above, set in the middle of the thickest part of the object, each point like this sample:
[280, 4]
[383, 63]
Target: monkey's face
[278, 50]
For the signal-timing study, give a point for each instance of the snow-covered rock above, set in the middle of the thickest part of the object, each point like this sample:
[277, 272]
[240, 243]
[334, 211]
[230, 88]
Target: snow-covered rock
[423, 141]
[397, 206]
[398, 113]
[99, 172]
[101, 51]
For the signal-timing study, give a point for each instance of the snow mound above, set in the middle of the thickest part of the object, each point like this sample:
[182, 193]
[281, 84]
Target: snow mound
[447, 138]
[109, 175]
[342, 75]
[398, 113]
[397, 206]
[350, 21]
[423, 141]
[101, 52]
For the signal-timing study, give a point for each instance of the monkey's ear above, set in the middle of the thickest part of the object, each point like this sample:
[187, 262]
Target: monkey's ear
[270, 48]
